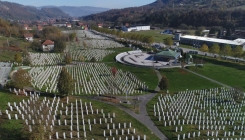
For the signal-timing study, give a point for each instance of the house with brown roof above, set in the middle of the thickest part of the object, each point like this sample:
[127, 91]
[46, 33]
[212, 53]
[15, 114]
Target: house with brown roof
[100, 25]
[28, 37]
[48, 45]
[25, 27]
[68, 25]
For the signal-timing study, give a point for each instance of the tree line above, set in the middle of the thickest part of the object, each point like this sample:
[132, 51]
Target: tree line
[129, 36]
[225, 50]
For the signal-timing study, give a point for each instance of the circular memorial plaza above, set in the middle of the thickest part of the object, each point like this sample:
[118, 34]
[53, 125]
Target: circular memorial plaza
[164, 59]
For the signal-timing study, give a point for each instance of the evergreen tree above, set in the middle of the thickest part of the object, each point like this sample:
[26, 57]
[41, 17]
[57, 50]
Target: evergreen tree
[65, 83]
[93, 59]
[164, 83]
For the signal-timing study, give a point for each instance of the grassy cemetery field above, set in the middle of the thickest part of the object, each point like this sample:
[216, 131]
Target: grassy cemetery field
[194, 108]
[179, 80]
[78, 118]
[199, 114]
[229, 73]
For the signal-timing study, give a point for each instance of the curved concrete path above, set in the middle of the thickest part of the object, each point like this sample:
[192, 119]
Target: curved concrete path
[143, 117]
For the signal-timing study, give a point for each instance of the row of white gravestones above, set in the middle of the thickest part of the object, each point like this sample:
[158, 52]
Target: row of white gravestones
[89, 54]
[191, 105]
[32, 117]
[126, 82]
[41, 59]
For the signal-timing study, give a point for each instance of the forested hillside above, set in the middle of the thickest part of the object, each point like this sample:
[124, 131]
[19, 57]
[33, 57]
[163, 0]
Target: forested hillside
[176, 12]
[16, 11]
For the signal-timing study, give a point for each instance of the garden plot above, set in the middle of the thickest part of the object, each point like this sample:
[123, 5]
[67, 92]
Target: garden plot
[90, 78]
[5, 69]
[70, 119]
[41, 59]
[202, 114]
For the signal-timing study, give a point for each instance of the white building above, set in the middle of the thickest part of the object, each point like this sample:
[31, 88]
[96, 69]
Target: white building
[136, 28]
[28, 37]
[198, 41]
[48, 45]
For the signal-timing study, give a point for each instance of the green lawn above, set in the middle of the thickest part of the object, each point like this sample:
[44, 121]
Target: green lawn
[6, 97]
[155, 33]
[180, 79]
[229, 73]
[10, 129]
[111, 57]
[7, 55]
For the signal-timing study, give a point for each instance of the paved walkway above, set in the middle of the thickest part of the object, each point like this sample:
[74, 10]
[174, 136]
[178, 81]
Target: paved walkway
[143, 117]
[212, 80]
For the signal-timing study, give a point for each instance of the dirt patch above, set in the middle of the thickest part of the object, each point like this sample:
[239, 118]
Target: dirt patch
[108, 99]
[11, 48]
[182, 71]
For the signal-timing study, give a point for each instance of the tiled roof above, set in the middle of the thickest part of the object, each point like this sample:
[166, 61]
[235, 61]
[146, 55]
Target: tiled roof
[48, 42]
[28, 35]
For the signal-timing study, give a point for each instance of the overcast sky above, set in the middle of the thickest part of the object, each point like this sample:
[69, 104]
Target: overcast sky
[95, 3]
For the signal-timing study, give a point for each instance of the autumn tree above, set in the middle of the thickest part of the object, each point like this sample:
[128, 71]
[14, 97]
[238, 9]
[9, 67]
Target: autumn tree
[18, 58]
[84, 44]
[26, 58]
[169, 41]
[21, 79]
[225, 50]
[214, 49]
[149, 39]
[204, 48]
[82, 59]
[72, 36]
[237, 52]
[164, 83]
[39, 132]
[51, 32]
[68, 59]
[65, 83]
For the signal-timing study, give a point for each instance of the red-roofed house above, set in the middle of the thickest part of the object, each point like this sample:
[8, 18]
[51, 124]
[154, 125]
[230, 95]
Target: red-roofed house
[68, 25]
[100, 25]
[28, 37]
[48, 45]
[39, 28]
[25, 27]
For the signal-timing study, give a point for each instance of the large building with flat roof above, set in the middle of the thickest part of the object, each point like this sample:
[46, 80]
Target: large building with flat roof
[136, 28]
[198, 41]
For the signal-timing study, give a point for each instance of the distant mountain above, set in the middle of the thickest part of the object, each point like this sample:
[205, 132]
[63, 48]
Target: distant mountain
[9, 10]
[78, 11]
[82, 11]
[176, 12]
